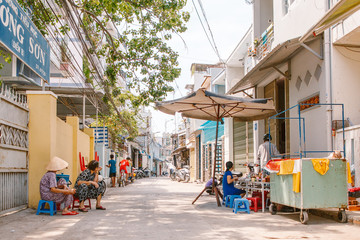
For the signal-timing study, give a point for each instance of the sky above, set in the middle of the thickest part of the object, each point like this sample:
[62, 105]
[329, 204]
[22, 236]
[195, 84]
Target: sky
[229, 20]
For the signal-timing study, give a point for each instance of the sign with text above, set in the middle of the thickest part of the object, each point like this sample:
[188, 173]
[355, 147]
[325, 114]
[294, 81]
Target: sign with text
[19, 34]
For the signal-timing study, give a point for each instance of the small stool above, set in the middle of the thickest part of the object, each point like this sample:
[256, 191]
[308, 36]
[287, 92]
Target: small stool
[41, 207]
[256, 203]
[230, 201]
[76, 200]
[241, 205]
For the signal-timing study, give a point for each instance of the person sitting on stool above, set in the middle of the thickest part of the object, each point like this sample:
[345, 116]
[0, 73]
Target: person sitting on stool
[228, 182]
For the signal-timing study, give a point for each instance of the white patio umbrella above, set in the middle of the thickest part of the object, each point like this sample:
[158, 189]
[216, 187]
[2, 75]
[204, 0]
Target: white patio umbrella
[206, 105]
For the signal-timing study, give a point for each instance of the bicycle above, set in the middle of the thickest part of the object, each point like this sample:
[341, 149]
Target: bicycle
[122, 178]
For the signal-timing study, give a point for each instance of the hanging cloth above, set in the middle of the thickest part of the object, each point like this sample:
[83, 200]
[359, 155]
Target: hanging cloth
[348, 173]
[286, 167]
[296, 182]
[321, 165]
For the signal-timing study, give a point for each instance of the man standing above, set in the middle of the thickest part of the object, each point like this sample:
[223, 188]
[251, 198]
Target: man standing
[264, 151]
[112, 166]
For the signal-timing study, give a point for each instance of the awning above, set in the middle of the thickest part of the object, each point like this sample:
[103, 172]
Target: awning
[279, 55]
[70, 100]
[178, 150]
[209, 129]
[341, 10]
[158, 159]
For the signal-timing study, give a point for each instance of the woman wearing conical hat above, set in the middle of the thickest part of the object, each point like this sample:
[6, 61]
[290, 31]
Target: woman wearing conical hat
[57, 191]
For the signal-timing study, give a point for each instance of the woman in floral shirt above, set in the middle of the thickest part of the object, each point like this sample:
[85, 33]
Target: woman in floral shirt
[50, 190]
[88, 186]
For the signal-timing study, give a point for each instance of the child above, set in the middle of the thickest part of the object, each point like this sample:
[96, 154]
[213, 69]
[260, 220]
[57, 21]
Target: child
[112, 166]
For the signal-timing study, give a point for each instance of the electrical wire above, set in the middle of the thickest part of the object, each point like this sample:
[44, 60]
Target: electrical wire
[211, 34]
[202, 25]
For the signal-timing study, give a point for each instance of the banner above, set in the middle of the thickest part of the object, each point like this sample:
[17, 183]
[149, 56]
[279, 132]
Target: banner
[19, 34]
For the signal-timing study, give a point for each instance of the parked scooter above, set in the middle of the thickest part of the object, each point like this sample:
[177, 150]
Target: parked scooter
[183, 174]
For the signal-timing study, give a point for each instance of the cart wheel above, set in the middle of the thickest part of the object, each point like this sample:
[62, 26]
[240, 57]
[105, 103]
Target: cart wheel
[342, 216]
[304, 217]
[272, 209]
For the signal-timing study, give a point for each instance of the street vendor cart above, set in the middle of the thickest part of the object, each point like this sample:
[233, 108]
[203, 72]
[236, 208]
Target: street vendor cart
[308, 183]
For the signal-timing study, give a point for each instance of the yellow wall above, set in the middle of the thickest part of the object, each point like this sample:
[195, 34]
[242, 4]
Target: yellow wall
[192, 164]
[84, 146]
[91, 133]
[42, 139]
[49, 137]
[64, 144]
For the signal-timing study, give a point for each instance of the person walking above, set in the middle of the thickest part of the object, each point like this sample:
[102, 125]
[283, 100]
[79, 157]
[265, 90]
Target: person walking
[112, 166]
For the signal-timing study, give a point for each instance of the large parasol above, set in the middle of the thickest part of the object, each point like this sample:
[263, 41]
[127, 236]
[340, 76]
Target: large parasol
[207, 105]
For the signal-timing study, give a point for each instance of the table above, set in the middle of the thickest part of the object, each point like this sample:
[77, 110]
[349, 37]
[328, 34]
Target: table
[254, 186]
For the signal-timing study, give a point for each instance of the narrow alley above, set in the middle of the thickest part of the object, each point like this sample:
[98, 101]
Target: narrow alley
[158, 208]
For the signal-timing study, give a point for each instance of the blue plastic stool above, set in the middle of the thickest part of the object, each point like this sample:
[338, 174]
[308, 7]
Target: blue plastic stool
[41, 207]
[241, 205]
[229, 202]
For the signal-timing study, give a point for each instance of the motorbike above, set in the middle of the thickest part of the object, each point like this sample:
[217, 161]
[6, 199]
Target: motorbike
[183, 174]
[146, 172]
[139, 173]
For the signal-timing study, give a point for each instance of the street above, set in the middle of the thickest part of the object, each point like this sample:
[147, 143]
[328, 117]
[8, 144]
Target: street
[158, 208]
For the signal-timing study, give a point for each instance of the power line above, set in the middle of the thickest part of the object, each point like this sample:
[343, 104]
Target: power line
[211, 34]
[207, 36]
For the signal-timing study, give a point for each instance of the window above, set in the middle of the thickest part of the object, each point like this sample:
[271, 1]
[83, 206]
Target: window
[286, 5]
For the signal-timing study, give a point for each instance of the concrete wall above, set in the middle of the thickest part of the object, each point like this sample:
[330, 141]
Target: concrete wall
[352, 134]
[49, 137]
[64, 144]
[302, 65]
[233, 75]
[346, 72]
[290, 26]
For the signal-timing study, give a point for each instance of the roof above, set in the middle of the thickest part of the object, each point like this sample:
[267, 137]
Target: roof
[279, 55]
[341, 10]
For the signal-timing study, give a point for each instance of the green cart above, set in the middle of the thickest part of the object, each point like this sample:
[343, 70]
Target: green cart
[316, 190]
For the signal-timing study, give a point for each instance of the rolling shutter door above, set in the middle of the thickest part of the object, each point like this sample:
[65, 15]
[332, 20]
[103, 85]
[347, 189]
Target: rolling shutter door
[243, 145]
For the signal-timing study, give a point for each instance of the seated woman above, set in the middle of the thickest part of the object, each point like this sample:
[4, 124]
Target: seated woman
[87, 186]
[228, 182]
[50, 190]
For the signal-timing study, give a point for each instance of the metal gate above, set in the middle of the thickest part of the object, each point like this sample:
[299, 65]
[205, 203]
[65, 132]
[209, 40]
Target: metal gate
[243, 145]
[14, 116]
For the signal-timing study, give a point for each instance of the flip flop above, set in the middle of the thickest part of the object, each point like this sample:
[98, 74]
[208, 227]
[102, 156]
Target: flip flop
[83, 210]
[69, 213]
[75, 212]
[100, 208]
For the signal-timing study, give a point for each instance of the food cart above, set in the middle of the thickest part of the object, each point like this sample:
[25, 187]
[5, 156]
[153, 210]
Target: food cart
[306, 187]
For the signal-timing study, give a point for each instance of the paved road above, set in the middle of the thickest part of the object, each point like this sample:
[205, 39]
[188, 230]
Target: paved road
[158, 208]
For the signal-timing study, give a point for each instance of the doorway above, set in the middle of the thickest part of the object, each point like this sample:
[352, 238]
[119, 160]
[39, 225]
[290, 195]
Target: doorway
[277, 91]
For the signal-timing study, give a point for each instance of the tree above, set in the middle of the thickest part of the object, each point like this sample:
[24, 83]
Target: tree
[138, 51]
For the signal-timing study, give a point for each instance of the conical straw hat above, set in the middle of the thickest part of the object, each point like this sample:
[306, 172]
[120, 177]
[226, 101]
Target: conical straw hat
[56, 164]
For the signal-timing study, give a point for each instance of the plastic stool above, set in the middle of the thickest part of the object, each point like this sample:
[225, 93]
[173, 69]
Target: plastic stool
[256, 203]
[76, 200]
[41, 207]
[241, 205]
[230, 200]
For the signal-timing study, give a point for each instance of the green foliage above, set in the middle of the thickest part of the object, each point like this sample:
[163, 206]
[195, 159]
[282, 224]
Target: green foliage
[136, 46]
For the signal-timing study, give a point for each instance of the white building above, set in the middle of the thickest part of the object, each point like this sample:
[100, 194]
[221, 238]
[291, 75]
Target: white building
[286, 62]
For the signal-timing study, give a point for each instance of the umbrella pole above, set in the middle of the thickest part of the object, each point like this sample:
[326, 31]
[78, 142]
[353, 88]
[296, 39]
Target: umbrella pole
[215, 189]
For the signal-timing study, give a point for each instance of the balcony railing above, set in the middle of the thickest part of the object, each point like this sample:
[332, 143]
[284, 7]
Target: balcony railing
[262, 46]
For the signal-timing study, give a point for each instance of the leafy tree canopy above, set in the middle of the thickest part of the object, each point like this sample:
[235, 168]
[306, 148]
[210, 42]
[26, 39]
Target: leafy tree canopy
[137, 51]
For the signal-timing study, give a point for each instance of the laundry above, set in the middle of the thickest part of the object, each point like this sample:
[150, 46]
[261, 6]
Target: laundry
[286, 167]
[296, 182]
[321, 165]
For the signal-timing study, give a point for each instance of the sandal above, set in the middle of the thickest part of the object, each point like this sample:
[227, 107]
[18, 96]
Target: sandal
[100, 208]
[83, 210]
[70, 213]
